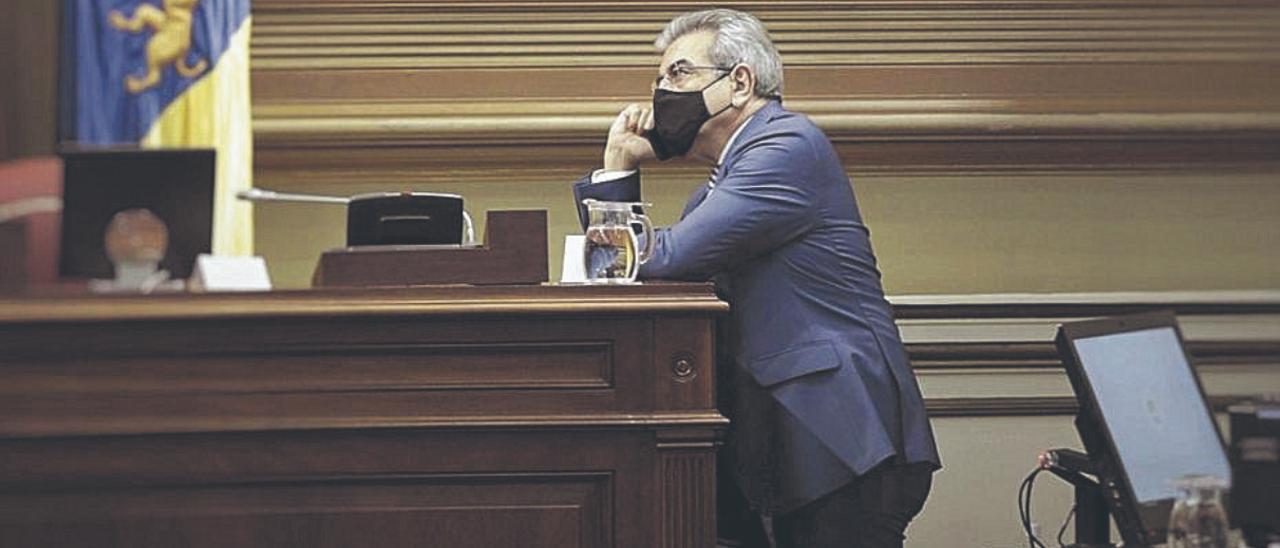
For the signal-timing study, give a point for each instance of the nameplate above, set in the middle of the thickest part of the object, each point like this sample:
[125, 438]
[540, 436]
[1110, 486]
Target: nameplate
[213, 273]
[572, 269]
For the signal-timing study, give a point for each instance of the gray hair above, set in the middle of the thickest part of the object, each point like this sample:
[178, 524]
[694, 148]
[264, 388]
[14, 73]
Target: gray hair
[740, 38]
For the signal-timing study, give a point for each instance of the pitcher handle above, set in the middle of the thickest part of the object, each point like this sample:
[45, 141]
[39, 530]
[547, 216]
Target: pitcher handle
[648, 235]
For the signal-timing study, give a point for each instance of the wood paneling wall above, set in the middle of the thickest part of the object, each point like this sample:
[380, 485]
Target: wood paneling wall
[29, 85]
[911, 84]
[508, 101]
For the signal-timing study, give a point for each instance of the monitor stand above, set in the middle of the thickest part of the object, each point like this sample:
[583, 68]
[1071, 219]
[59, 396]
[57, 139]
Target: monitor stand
[1093, 519]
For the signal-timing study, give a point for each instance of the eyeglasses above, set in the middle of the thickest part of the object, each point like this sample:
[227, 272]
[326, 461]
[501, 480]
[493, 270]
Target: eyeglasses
[679, 73]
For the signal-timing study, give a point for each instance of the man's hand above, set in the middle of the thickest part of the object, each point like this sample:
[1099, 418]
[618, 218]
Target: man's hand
[628, 146]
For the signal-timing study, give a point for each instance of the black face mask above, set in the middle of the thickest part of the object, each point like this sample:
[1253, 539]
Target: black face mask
[677, 117]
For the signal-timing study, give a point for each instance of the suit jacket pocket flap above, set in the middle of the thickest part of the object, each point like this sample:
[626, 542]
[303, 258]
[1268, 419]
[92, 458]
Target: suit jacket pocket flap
[793, 362]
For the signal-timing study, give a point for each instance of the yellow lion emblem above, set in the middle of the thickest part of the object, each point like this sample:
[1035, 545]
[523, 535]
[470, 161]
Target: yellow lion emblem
[169, 45]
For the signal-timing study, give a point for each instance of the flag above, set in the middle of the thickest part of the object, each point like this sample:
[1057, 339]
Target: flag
[165, 74]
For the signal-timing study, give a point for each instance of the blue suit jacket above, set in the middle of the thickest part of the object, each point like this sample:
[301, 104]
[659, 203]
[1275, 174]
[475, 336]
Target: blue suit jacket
[820, 389]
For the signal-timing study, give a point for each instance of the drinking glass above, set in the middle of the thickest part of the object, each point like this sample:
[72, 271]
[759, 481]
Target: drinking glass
[1198, 519]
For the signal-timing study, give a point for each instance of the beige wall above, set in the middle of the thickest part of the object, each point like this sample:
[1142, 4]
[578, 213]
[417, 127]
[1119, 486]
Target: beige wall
[973, 502]
[996, 233]
[1075, 232]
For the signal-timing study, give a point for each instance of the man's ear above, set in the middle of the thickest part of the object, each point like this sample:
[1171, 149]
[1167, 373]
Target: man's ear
[744, 83]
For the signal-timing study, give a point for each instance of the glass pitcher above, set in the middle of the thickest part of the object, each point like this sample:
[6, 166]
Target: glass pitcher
[1198, 519]
[610, 252]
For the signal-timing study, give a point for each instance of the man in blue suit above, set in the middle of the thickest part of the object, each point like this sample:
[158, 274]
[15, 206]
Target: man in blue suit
[829, 436]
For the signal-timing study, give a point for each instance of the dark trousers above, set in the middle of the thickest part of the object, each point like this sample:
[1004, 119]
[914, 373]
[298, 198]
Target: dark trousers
[872, 511]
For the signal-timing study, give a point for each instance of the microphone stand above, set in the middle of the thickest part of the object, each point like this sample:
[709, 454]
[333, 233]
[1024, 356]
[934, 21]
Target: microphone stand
[1093, 522]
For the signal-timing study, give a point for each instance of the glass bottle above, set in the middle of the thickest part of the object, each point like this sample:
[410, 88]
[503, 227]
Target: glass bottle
[1198, 519]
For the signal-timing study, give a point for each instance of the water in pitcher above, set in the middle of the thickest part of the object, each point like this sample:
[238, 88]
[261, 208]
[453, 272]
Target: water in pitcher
[610, 254]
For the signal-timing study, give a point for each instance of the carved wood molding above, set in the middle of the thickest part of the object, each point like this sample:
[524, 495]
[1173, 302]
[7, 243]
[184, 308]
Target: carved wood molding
[415, 302]
[336, 166]
[424, 34]
[1023, 356]
[1014, 406]
[845, 121]
[687, 477]
[557, 140]
[1016, 332]
[1084, 305]
[898, 85]
[1001, 406]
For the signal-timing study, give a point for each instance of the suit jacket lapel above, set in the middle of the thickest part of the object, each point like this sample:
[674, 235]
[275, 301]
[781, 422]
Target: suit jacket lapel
[757, 122]
[754, 126]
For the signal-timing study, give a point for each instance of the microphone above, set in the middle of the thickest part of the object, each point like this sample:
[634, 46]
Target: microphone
[1068, 464]
[264, 195]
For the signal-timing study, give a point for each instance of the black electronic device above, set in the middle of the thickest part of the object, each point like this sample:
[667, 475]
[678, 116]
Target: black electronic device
[174, 184]
[1143, 417]
[391, 218]
[404, 218]
[1255, 465]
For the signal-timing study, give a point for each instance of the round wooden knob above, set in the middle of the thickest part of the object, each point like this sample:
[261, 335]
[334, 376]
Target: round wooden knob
[682, 366]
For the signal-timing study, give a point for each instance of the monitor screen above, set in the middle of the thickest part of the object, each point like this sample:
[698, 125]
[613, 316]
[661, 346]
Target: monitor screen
[174, 184]
[1151, 402]
[1144, 418]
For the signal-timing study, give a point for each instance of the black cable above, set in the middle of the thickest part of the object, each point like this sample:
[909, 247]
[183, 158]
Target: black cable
[1026, 511]
[1024, 508]
[1030, 485]
[1063, 529]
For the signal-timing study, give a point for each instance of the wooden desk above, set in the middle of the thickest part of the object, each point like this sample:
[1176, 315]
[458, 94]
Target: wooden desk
[451, 417]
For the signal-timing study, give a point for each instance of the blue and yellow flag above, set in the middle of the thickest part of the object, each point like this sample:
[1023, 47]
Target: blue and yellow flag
[165, 73]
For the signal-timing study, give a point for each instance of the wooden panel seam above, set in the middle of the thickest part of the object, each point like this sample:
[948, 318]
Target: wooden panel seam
[1014, 406]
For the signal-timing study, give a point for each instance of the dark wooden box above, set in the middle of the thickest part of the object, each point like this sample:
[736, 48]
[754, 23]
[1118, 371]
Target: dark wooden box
[514, 252]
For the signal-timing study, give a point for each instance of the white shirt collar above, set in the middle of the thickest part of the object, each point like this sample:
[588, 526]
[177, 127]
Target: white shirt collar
[729, 144]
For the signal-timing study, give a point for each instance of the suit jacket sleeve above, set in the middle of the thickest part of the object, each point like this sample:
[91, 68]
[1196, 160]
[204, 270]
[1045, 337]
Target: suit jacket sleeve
[764, 200]
[626, 189]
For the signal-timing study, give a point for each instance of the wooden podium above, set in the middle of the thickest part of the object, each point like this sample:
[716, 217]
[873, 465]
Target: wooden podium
[453, 417]
[13, 257]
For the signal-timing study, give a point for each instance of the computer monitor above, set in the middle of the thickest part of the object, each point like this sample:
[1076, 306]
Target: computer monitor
[175, 184]
[1143, 416]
